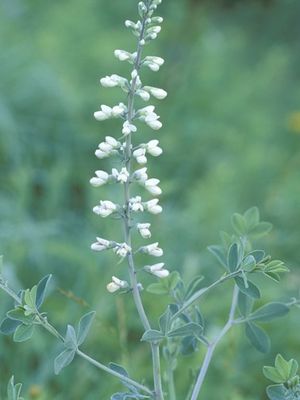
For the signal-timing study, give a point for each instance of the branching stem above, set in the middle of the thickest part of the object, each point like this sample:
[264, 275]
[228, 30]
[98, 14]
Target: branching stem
[213, 345]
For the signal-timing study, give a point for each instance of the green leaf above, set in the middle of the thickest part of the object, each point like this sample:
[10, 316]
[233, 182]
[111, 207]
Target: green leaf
[63, 360]
[258, 337]
[8, 326]
[262, 229]
[258, 255]
[194, 286]
[219, 253]
[71, 338]
[251, 291]
[287, 369]
[252, 217]
[249, 263]
[84, 326]
[152, 335]
[277, 392]
[172, 280]
[272, 374]
[164, 321]
[14, 391]
[233, 257]
[18, 315]
[118, 368]
[190, 329]
[269, 312]
[239, 224]
[188, 345]
[23, 333]
[157, 288]
[41, 290]
[276, 266]
[245, 304]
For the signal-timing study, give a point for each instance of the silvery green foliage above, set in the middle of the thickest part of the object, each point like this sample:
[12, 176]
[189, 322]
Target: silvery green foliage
[284, 375]
[14, 390]
[181, 329]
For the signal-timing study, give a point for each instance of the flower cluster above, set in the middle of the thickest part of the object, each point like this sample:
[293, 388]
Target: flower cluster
[128, 153]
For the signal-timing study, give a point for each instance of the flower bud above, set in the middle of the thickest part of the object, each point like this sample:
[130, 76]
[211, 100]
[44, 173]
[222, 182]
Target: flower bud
[121, 176]
[158, 93]
[152, 186]
[122, 249]
[100, 179]
[123, 55]
[140, 175]
[135, 204]
[152, 250]
[105, 208]
[116, 284]
[153, 148]
[101, 244]
[144, 230]
[153, 207]
[128, 128]
[157, 270]
[140, 156]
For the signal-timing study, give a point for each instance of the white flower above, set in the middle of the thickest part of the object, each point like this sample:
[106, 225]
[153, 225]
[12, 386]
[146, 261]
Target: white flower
[154, 63]
[101, 244]
[113, 81]
[153, 148]
[159, 94]
[122, 249]
[104, 113]
[119, 110]
[153, 250]
[144, 230]
[140, 175]
[107, 112]
[123, 55]
[121, 176]
[157, 270]
[105, 208]
[152, 121]
[116, 284]
[112, 142]
[100, 179]
[152, 186]
[140, 156]
[135, 204]
[148, 115]
[153, 207]
[128, 128]
[143, 94]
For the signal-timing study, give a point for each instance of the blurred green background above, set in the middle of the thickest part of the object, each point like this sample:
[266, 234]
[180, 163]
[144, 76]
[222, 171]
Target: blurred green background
[231, 140]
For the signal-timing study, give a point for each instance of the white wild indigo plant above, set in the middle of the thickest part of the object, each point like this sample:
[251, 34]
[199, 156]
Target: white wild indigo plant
[180, 330]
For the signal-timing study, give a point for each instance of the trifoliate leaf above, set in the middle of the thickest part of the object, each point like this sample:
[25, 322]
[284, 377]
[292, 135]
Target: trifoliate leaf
[269, 311]
[63, 360]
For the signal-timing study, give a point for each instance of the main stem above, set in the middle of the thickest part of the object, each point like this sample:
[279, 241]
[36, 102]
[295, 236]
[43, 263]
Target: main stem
[213, 345]
[127, 225]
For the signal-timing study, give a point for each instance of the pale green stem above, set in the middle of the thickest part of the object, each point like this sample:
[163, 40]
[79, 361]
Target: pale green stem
[213, 345]
[171, 384]
[127, 225]
[51, 329]
[202, 291]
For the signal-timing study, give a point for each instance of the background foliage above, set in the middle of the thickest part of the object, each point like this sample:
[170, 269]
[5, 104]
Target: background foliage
[231, 138]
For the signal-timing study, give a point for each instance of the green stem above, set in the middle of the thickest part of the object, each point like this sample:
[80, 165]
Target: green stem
[202, 291]
[51, 329]
[127, 227]
[171, 384]
[211, 348]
